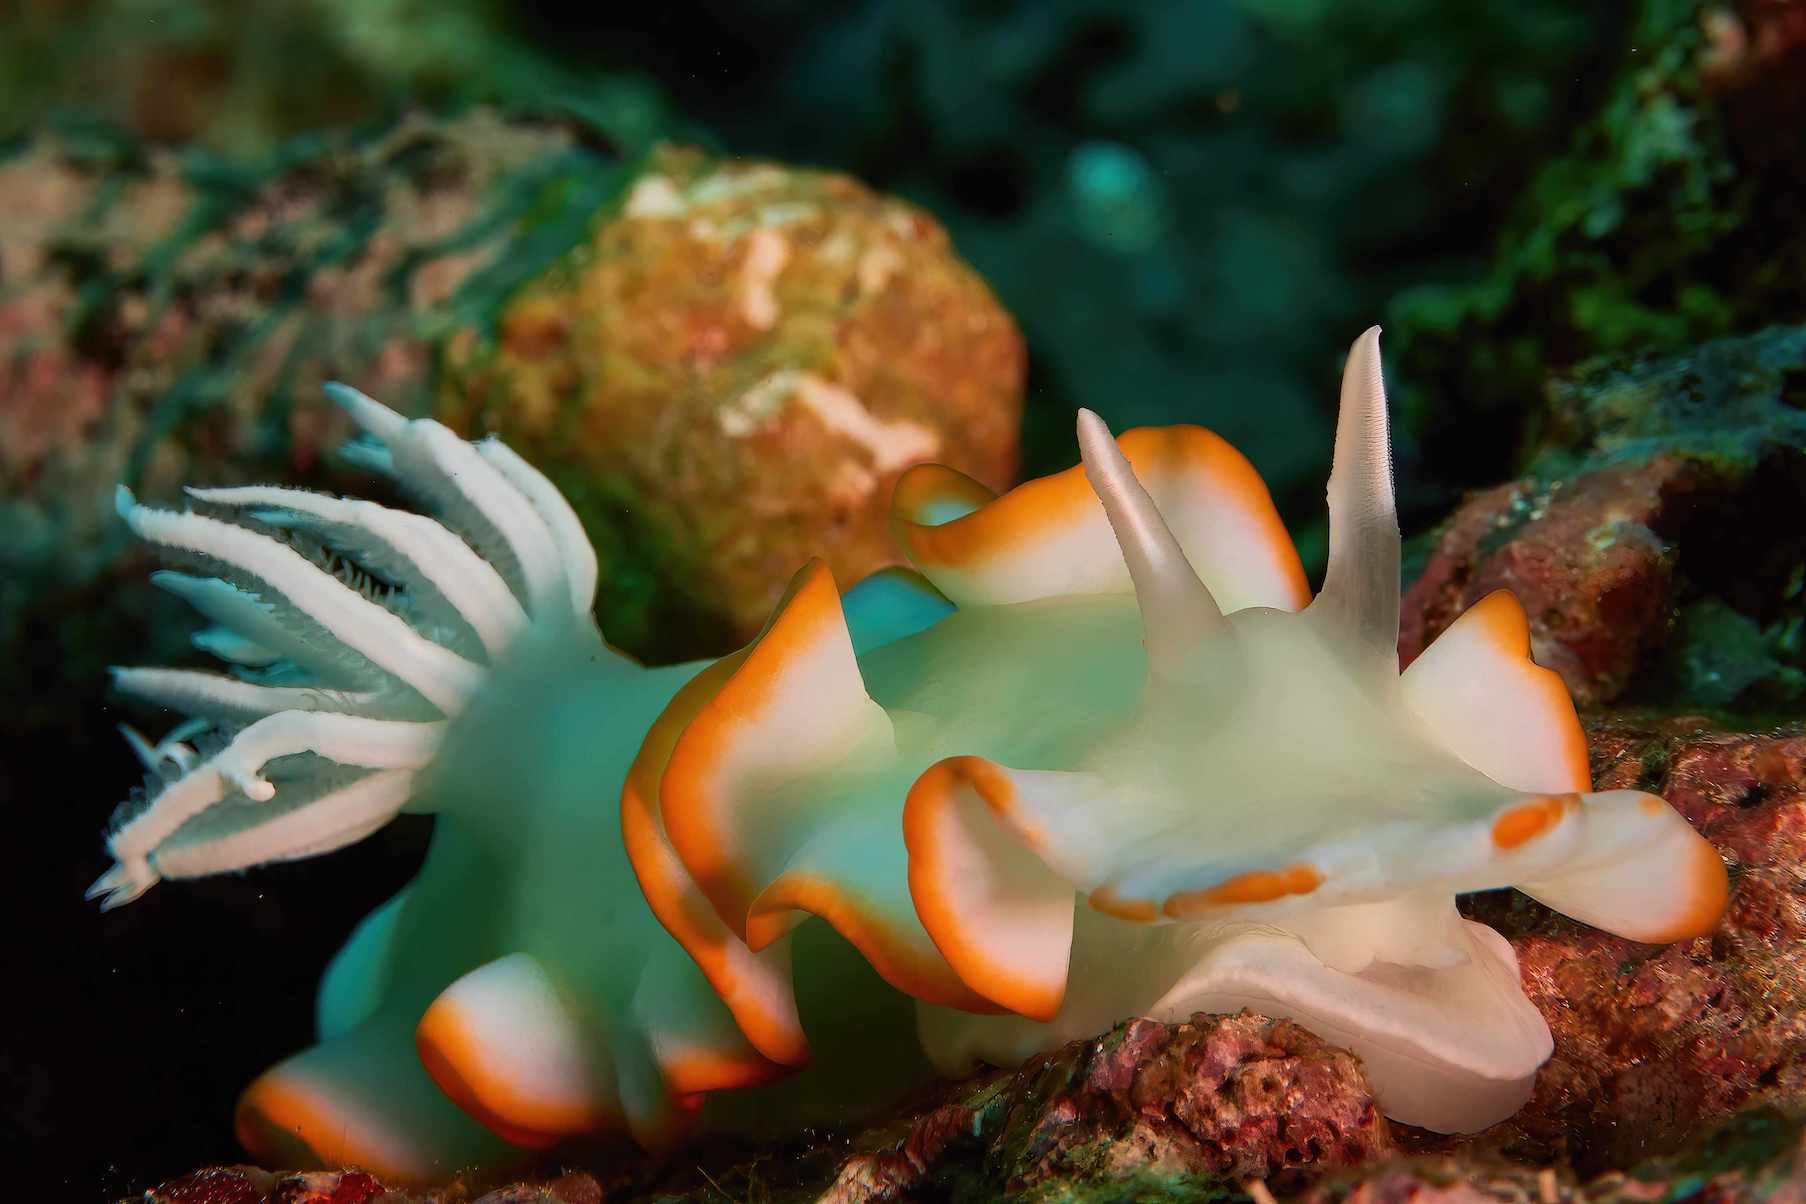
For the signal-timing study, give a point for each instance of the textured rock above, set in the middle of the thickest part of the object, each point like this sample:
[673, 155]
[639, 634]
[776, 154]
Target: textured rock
[1758, 1155]
[1655, 1044]
[1584, 558]
[775, 353]
[1213, 1101]
[1671, 220]
[728, 377]
[249, 1185]
[1666, 482]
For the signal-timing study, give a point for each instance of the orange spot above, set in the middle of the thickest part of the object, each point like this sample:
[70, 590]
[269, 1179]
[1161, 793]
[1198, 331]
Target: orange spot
[926, 817]
[1255, 886]
[1526, 821]
[453, 1058]
[1138, 911]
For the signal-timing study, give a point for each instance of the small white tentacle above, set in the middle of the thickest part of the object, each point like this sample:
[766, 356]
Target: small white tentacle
[194, 692]
[133, 841]
[141, 748]
[346, 739]
[230, 646]
[171, 748]
[1177, 611]
[371, 416]
[243, 612]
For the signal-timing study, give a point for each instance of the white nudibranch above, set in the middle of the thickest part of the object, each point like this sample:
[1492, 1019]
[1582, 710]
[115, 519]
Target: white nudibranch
[1103, 756]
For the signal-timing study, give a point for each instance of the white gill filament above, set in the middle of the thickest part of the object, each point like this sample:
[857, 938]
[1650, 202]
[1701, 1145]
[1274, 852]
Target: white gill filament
[1361, 583]
[441, 676]
[332, 821]
[368, 455]
[429, 456]
[170, 748]
[196, 693]
[229, 645]
[248, 615]
[575, 551]
[346, 739]
[1177, 611]
[429, 552]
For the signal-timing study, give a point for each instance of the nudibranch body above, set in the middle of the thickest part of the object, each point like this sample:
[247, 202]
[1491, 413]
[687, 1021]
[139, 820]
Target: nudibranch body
[1104, 756]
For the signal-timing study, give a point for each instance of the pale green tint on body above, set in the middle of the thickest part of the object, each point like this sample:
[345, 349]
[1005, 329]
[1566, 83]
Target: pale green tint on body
[1039, 816]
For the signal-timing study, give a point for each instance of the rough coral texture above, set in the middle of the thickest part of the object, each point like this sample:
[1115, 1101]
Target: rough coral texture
[1667, 482]
[1758, 1155]
[162, 324]
[732, 321]
[1229, 1098]
[1583, 557]
[1671, 220]
[249, 1185]
[1655, 1044]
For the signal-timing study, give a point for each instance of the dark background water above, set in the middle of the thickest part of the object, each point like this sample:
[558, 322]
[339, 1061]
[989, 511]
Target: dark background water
[1191, 206]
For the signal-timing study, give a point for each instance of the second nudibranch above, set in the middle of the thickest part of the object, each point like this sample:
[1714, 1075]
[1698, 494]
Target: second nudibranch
[1104, 756]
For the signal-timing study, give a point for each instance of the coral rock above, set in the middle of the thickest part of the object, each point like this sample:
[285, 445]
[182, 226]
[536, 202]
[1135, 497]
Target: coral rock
[1584, 558]
[1218, 1099]
[248, 1185]
[730, 375]
[1666, 482]
[1654, 1044]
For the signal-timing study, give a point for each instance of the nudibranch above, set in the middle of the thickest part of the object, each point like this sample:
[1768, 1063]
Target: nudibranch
[1102, 756]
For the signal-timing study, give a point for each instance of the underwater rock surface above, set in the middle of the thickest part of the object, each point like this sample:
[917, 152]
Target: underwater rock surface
[168, 319]
[1665, 483]
[1672, 219]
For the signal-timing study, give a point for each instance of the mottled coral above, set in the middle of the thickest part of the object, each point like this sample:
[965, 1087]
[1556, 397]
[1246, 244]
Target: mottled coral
[1664, 482]
[1653, 1045]
[1584, 558]
[1673, 218]
[733, 321]
[1215, 1099]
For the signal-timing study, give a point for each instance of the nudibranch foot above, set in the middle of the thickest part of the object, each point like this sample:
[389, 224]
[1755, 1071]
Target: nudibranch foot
[1448, 1043]
[362, 1099]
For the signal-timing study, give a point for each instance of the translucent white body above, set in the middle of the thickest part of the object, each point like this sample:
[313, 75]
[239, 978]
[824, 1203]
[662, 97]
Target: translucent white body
[1106, 757]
